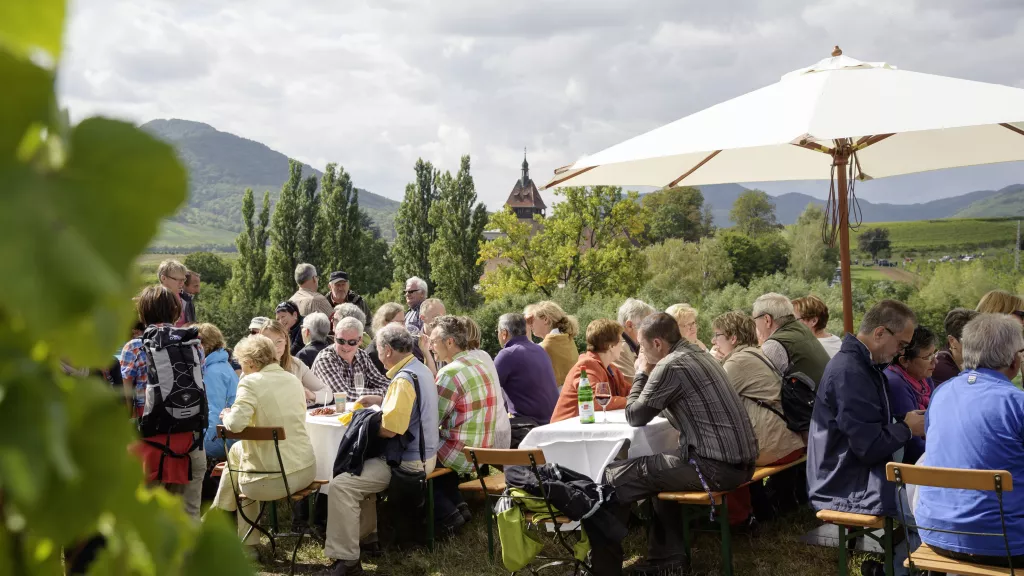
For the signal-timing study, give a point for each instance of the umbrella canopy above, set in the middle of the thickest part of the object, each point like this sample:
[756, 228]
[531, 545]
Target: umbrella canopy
[879, 120]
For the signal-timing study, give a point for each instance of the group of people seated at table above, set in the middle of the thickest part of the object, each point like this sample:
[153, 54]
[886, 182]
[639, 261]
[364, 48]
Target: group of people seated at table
[878, 399]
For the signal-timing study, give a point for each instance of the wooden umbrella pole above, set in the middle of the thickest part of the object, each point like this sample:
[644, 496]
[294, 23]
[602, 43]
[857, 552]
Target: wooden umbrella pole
[841, 157]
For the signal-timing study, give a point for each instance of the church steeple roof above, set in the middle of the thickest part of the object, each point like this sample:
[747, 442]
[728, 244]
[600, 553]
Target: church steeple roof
[524, 193]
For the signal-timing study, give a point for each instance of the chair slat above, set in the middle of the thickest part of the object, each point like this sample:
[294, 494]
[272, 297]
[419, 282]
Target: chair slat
[949, 477]
[499, 457]
[251, 433]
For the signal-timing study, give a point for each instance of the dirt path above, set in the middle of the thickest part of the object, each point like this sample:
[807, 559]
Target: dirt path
[899, 275]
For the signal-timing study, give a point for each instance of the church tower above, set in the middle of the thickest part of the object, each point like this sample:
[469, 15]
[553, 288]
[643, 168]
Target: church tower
[525, 199]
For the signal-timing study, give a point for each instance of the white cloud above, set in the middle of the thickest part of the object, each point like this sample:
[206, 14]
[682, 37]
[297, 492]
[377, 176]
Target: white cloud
[374, 85]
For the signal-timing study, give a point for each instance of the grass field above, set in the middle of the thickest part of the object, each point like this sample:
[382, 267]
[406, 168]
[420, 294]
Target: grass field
[774, 551]
[955, 236]
[183, 235]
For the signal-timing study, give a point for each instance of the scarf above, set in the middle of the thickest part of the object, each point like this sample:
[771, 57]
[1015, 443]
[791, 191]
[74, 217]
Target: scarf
[922, 388]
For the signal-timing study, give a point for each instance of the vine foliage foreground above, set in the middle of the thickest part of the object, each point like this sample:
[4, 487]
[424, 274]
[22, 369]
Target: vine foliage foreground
[80, 203]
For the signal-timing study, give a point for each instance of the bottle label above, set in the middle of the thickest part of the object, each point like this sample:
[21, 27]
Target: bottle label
[587, 412]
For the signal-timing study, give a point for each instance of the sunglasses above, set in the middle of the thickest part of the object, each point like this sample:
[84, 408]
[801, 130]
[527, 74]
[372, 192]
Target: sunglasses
[412, 291]
[352, 342]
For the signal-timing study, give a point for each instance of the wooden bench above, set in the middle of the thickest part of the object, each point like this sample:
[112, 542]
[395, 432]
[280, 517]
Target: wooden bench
[494, 483]
[925, 558]
[852, 526]
[719, 501]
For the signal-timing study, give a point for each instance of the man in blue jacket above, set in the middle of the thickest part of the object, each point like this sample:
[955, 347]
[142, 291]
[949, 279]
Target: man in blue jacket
[853, 432]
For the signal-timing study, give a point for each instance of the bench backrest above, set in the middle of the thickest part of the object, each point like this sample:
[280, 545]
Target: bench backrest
[498, 457]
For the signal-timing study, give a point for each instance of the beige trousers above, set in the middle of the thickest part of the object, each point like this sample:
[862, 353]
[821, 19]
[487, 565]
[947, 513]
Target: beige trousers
[191, 493]
[266, 489]
[352, 506]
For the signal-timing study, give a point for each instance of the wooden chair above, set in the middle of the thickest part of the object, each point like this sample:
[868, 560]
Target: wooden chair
[719, 501]
[532, 458]
[925, 558]
[267, 434]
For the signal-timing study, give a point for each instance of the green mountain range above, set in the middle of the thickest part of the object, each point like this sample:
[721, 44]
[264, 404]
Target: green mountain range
[221, 166]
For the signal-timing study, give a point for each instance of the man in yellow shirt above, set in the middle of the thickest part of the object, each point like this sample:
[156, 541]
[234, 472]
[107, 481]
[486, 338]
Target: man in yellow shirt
[354, 497]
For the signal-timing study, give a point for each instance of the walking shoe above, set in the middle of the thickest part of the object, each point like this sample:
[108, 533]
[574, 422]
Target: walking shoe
[464, 509]
[343, 568]
[660, 568]
[450, 525]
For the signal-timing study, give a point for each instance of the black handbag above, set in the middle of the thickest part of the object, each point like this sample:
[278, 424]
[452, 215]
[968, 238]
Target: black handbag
[409, 488]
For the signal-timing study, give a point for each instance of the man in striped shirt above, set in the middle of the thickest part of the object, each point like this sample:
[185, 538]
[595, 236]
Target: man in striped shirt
[717, 446]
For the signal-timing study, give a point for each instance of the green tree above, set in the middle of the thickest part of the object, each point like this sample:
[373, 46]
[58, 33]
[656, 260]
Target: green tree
[584, 246]
[809, 257]
[459, 221]
[309, 208]
[683, 271]
[249, 285]
[375, 270]
[754, 213]
[676, 212]
[211, 268]
[874, 241]
[284, 236]
[415, 234]
[334, 233]
[65, 469]
[751, 258]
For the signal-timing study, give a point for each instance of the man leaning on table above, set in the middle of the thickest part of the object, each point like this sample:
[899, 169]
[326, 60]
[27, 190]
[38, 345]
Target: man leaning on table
[717, 447]
[352, 499]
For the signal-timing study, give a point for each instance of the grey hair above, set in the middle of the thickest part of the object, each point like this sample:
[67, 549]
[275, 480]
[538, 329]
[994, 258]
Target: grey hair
[992, 341]
[349, 323]
[888, 314]
[168, 267]
[318, 325]
[773, 304]
[420, 284]
[633, 310]
[385, 313]
[452, 327]
[304, 272]
[429, 304]
[396, 337]
[514, 323]
[349, 310]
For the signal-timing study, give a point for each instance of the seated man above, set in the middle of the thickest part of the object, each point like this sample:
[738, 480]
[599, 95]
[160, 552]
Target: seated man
[352, 500]
[950, 360]
[853, 433]
[988, 436]
[787, 342]
[524, 371]
[717, 448]
[342, 365]
[467, 406]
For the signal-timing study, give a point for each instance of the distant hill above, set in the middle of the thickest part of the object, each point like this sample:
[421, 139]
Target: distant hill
[221, 166]
[1008, 201]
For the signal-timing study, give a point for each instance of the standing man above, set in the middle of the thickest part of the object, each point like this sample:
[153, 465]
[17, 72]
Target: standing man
[340, 293]
[189, 294]
[306, 297]
[171, 275]
[853, 432]
[717, 446]
[415, 294]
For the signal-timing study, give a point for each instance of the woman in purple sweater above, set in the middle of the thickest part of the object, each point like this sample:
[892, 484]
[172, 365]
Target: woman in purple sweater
[910, 383]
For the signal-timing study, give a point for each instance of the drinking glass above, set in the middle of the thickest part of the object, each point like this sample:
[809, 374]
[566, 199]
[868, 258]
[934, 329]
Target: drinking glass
[603, 395]
[359, 383]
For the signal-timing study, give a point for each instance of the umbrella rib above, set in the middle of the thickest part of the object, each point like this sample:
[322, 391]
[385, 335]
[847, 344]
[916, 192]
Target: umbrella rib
[694, 169]
[1013, 128]
[569, 177]
[814, 146]
[869, 140]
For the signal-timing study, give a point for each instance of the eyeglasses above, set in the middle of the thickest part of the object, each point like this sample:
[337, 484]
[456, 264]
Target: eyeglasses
[760, 316]
[903, 345]
[176, 279]
[412, 291]
[352, 342]
[929, 357]
[717, 335]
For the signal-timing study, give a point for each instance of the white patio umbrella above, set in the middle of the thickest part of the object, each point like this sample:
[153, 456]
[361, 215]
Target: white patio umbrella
[841, 120]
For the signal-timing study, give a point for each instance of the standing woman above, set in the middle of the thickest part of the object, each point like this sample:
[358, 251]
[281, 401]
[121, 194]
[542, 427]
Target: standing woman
[280, 338]
[221, 385]
[267, 396]
[557, 331]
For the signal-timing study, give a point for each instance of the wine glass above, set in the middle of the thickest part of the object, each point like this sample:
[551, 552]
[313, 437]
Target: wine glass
[603, 395]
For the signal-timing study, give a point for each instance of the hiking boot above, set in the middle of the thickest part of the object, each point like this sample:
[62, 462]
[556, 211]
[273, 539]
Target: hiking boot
[371, 549]
[450, 525]
[464, 510]
[343, 568]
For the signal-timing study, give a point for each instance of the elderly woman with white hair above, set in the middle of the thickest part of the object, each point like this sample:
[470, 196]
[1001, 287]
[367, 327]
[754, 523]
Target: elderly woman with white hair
[988, 436]
[316, 328]
[787, 342]
[686, 317]
[267, 395]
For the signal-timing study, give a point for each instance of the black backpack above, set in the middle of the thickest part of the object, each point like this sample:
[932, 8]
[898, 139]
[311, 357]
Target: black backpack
[798, 392]
[175, 396]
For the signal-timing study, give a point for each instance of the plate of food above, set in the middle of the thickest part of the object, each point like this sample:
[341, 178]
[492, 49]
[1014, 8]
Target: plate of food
[323, 411]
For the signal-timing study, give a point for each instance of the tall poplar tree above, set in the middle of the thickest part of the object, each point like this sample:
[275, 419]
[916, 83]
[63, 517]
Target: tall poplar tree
[411, 251]
[459, 223]
[333, 234]
[309, 208]
[284, 236]
[248, 282]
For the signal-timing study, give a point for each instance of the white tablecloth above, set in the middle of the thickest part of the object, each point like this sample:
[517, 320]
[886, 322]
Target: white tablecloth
[589, 448]
[325, 433]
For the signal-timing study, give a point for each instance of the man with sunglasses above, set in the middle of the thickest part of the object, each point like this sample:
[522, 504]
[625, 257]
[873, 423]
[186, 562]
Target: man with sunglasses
[338, 365]
[415, 294]
[853, 432]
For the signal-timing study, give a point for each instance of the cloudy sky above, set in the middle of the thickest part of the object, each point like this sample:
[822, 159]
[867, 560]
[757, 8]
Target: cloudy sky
[376, 85]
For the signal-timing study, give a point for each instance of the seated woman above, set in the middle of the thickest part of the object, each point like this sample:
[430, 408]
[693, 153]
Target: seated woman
[221, 384]
[267, 396]
[316, 327]
[557, 332]
[287, 313]
[604, 344]
[686, 317]
[910, 383]
[1002, 302]
[813, 312]
[389, 313]
[277, 334]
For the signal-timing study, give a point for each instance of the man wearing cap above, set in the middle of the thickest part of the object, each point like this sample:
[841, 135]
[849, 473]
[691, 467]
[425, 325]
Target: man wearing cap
[306, 297]
[341, 294]
[257, 324]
